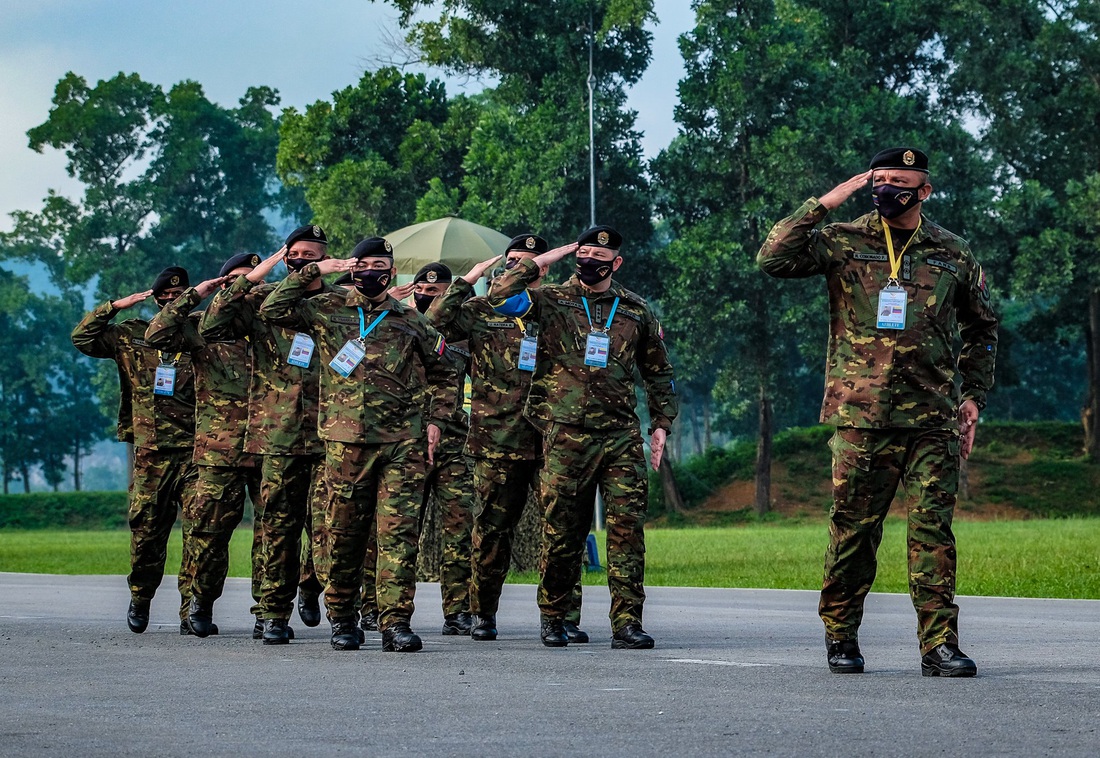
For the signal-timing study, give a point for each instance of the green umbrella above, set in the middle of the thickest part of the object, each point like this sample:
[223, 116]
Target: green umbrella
[456, 243]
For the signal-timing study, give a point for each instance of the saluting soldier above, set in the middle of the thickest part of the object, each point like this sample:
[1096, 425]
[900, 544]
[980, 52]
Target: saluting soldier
[226, 473]
[901, 289]
[159, 389]
[371, 422]
[282, 430]
[505, 447]
[593, 335]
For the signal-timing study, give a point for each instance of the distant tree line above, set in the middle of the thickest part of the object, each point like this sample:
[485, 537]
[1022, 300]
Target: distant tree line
[780, 101]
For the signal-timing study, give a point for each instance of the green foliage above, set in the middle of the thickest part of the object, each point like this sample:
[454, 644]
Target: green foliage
[68, 510]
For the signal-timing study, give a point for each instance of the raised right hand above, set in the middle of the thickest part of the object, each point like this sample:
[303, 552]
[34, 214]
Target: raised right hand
[130, 300]
[841, 192]
[479, 270]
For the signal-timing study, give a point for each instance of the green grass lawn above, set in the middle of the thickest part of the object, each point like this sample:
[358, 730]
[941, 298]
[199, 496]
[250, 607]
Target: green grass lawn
[1035, 558]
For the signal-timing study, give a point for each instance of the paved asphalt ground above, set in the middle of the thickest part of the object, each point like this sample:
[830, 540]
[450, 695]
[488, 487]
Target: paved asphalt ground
[735, 672]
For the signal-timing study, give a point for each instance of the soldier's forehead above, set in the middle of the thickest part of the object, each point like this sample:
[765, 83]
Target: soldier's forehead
[597, 252]
[899, 176]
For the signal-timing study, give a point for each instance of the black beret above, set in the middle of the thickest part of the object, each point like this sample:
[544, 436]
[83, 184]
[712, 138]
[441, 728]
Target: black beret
[903, 158]
[173, 276]
[373, 247]
[433, 273]
[600, 236]
[239, 261]
[309, 233]
[527, 243]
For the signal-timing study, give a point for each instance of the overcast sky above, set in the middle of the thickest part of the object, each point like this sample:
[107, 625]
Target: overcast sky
[304, 50]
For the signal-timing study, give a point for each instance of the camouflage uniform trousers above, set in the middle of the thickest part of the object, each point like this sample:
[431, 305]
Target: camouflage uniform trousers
[577, 461]
[164, 482]
[868, 465]
[502, 489]
[289, 484]
[364, 484]
[217, 510]
[451, 483]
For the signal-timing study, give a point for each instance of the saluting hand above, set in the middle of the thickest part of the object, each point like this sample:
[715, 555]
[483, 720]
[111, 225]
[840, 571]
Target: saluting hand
[479, 269]
[968, 426]
[334, 265]
[555, 255]
[204, 289]
[657, 447]
[130, 300]
[260, 273]
[434, 435]
[402, 291]
[841, 192]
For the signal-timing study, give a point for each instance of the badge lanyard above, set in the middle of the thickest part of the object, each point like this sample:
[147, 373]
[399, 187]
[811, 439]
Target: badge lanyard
[893, 299]
[528, 347]
[165, 379]
[353, 351]
[598, 344]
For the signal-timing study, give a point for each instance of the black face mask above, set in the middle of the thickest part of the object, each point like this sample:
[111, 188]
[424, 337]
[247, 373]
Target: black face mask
[371, 283]
[297, 264]
[892, 201]
[423, 302]
[162, 302]
[592, 270]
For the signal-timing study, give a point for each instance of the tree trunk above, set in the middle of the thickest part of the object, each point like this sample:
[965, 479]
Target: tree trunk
[964, 479]
[696, 428]
[76, 467]
[25, 472]
[706, 424]
[763, 499]
[1090, 416]
[673, 501]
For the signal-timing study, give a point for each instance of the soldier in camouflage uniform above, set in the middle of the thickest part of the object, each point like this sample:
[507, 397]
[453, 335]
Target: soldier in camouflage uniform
[593, 335]
[891, 392]
[282, 430]
[226, 472]
[371, 423]
[158, 386]
[505, 447]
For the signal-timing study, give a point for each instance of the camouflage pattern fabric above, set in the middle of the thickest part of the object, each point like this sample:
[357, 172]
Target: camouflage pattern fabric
[223, 373]
[868, 465]
[365, 484]
[450, 480]
[368, 598]
[216, 511]
[289, 483]
[157, 422]
[377, 402]
[164, 481]
[886, 378]
[577, 462]
[566, 391]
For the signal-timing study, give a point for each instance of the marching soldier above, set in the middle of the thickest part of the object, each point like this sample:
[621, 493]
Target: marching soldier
[505, 447]
[369, 345]
[901, 289]
[282, 430]
[226, 472]
[593, 335]
[159, 389]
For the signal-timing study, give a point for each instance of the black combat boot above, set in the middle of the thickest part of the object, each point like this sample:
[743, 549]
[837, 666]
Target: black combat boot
[947, 660]
[185, 629]
[369, 621]
[576, 635]
[276, 632]
[137, 616]
[553, 633]
[345, 636]
[631, 637]
[309, 609]
[457, 623]
[485, 628]
[200, 617]
[399, 638]
[844, 656]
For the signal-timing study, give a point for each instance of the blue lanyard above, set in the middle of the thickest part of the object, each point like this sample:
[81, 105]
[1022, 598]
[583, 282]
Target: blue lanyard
[364, 332]
[610, 315]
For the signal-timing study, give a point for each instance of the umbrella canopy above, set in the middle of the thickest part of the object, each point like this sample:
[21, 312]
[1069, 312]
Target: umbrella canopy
[458, 244]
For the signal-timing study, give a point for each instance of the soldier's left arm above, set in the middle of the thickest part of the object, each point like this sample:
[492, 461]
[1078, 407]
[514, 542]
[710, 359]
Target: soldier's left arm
[657, 374]
[174, 328]
[978, 329]
[441, 372]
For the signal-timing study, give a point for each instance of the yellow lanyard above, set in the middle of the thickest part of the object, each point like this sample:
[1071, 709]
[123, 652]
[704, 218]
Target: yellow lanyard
[895, 259]
[519, 321]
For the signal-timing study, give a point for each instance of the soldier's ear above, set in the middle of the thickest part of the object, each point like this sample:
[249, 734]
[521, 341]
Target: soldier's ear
[616, 263]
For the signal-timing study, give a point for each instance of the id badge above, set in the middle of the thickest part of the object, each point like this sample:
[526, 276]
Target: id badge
[165, 381]
[301, 350]
[595, 349]
[528, 349]
[891, 307]
[350, 356]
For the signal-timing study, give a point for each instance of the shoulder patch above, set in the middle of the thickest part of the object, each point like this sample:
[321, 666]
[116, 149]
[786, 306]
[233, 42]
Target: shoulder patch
[345, 320]
[870, 256]
[943, 264]
[570, 303]
[501, 325]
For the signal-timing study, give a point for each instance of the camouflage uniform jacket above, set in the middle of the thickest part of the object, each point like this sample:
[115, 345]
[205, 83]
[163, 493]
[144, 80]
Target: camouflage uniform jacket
[498, 388]
[222, 376]
[377, 403]
[157, 422]
[282, 398]
[886, 378]
[563, 388]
